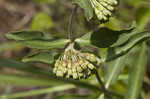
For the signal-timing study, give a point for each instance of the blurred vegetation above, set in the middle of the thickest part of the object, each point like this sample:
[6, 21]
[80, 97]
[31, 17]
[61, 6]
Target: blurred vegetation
[20, 80]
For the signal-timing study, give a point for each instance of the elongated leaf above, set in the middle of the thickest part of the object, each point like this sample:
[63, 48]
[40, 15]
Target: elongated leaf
[25, 81]
[121, 50]
[39, 91]
[76, 97]
[45, 57]
[13, 64]
[113, 69]
[42, 73]
[10, 46]
[136, 75]
[86, 6]
[45, 44]
[24, 35]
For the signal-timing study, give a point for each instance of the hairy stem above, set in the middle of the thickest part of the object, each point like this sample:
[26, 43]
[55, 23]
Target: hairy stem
[102, 85]
[74, 9]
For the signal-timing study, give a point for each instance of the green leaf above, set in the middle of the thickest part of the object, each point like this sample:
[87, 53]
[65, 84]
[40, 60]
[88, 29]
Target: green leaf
[45, 57]
[86, 6]
[113, 69]
[75, 97]
[136, 75]
[13, 64]
[41, 21]
[104, 37]
[118, 51]
[39, 91]
[84, 40]
[24, 35]
[42, 73]
[10, 46]
[20, 80]
[45, 44]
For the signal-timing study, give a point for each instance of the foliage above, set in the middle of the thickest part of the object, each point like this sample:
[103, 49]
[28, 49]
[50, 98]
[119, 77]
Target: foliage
[121, 50]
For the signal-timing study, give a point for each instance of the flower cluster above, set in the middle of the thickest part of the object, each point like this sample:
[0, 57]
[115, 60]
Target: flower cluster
[74, 64]
[103, 8]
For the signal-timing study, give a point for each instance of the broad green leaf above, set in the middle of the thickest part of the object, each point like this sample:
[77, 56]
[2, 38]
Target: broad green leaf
[41, 21]
[76, 97]
[104, 38]
[45, 57]
[45, 44]
[86, 6]
[24, 35]
[20, 80]
[115, 52]
[136, 75]
[39, 91]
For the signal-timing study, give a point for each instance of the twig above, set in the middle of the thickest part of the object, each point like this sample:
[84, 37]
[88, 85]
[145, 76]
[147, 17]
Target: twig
[102, 85]
[70, 22]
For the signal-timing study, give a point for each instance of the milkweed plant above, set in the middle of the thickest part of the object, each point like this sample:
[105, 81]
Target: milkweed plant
[75, 63]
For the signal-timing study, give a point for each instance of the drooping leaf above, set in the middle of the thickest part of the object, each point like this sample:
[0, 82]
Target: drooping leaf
[104, 38]
[45, 44]
[86, 6]
[24, 35]
[136, 75]
[45, 57]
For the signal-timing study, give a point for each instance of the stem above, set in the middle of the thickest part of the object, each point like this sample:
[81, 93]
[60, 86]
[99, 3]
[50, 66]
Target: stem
[74, 9]
[102, 85]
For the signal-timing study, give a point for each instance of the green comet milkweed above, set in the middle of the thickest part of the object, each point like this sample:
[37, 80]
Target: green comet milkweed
[103, 8]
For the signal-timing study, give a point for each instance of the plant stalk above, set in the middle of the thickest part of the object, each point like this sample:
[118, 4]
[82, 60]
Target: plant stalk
[74, 10]
[102, 85]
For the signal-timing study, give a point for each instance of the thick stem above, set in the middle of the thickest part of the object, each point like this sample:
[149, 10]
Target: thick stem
[71, 21]
[102, 85]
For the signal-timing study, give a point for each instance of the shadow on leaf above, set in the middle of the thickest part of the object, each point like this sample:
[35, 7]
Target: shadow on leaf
[104, 37]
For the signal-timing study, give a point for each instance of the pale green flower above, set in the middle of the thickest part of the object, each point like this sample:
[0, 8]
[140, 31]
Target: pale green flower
[103, 8]
[74, 64]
